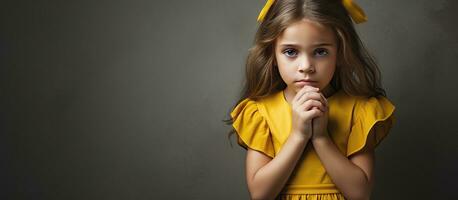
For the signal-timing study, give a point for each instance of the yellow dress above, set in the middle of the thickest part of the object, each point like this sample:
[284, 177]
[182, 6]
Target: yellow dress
[265, 125]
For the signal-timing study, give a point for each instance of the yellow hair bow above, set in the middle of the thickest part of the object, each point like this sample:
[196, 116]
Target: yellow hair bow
[264, 10]
[356, 13]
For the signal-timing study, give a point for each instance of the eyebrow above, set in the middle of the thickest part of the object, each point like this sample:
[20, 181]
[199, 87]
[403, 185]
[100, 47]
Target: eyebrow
[315, 45]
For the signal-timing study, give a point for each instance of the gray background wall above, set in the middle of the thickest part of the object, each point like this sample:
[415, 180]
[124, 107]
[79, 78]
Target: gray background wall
[124, 99]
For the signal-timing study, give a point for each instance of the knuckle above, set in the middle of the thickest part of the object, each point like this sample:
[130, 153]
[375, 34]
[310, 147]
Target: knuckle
[307, 95]
[308, 103]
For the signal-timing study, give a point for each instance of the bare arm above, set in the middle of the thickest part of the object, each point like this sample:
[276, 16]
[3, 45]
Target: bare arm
[266, 177]
[353, 176]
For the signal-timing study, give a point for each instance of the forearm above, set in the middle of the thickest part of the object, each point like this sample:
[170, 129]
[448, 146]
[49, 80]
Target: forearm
[348, 177]
[271, 178]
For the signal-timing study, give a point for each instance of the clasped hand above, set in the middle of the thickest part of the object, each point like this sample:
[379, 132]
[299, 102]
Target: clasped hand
[310, 113]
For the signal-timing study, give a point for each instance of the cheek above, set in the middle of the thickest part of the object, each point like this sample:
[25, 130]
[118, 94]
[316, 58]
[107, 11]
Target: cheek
[331, 65]
[284, 72]
[286, 63]
[327, 69]
[280, 59]
[331, 69]
[284, 66]
[331, 72]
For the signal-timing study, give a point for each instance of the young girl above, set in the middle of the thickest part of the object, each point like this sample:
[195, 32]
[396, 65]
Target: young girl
[312, 109]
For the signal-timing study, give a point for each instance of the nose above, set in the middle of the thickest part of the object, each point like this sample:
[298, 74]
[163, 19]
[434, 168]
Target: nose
[305, 64]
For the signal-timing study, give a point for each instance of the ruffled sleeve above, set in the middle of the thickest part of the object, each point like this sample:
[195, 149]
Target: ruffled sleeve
[373, 115]
[252, 128]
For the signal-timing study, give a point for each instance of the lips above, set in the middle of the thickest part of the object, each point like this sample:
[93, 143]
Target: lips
[306, 82]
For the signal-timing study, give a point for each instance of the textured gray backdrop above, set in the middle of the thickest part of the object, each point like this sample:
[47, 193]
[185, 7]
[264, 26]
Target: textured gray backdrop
[124, 99]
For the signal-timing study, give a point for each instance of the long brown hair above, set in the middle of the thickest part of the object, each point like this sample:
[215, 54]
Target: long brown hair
[356, 71]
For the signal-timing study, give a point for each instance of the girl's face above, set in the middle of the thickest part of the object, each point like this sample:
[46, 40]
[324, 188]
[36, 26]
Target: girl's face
[306, 55]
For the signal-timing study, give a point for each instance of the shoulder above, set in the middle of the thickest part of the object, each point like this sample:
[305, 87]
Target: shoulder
[373, 108]
[372, 119]
[259, 106]
[379, 105]
[243, 106]
[251, 127]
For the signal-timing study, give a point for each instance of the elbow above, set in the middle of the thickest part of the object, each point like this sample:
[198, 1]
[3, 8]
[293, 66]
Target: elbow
[259, 192]
[255, 196]
[360, 195]
[259, 196]
[360, 198]
[363, 192]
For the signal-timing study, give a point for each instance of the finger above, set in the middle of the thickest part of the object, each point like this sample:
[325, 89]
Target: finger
[317, 112]
[318, 96]
[313, 113]
[310, 104]
[308, 96]
[324, 100]
[304, 90]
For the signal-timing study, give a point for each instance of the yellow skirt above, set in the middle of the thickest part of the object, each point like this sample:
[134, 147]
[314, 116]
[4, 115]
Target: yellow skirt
[330, 196]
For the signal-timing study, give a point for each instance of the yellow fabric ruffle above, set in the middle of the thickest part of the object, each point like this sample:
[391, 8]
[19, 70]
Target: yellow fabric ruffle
[252, 128]
[329, 196]
[374, 111]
